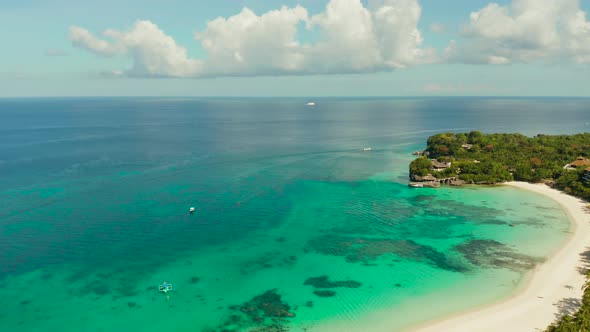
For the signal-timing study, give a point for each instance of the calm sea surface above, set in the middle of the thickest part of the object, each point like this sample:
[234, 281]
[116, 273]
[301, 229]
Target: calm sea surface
[296, 228]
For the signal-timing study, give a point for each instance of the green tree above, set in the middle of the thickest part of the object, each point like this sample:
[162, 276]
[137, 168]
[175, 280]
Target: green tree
[420, 167]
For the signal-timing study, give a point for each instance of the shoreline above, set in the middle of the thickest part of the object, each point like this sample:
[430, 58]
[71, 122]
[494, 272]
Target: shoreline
[534, 306]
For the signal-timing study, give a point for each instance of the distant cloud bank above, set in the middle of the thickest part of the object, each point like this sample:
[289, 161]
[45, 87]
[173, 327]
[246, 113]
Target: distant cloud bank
[525, 31]
[353, 38]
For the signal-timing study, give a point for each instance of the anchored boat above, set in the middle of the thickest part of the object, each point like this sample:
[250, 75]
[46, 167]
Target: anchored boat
[164, 287]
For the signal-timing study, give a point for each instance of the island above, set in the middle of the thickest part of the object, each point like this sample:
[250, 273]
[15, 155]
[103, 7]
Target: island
[547, 164]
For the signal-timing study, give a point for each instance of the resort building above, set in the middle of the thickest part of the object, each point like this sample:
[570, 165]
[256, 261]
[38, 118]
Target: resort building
[441, 166]
[579, 162]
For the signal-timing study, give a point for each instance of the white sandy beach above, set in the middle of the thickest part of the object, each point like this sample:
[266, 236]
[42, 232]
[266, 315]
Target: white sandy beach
[549, 285]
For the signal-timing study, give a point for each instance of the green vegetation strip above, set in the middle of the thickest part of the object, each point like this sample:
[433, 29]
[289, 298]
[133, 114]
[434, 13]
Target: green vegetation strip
[495, 158]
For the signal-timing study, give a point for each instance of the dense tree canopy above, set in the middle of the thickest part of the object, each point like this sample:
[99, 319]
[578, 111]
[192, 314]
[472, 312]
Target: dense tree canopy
[495, 158]
[421, 166]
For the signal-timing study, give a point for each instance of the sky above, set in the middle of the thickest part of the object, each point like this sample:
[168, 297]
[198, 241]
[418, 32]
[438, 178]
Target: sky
[295, 48]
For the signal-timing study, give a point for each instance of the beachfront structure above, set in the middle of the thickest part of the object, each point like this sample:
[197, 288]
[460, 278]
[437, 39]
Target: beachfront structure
[427, 178]
[441, 166]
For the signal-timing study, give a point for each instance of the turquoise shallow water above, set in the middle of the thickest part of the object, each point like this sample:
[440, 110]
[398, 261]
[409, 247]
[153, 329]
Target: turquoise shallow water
[296, 228]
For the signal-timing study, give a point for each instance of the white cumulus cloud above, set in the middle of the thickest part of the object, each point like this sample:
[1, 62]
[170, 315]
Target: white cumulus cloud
[525, 31]
[396, 26]
[352, 38]
[83, 38]
[153, 52]
[249, 44]
[348, 41]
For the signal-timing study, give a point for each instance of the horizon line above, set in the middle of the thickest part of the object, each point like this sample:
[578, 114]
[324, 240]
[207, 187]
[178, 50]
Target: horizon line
[293, 97]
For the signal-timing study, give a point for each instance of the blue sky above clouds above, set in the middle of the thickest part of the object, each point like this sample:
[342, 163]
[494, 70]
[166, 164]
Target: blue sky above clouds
[295, 48]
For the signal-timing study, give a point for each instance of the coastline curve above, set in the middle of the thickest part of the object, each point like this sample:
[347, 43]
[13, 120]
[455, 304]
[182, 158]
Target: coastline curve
[535, 305]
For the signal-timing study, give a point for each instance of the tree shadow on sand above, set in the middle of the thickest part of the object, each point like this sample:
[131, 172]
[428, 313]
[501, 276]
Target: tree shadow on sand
[585, 258]
[568, 306]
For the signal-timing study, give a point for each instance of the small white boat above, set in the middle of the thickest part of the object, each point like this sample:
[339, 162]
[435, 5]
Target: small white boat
[311, 103]
[164, 287]
[416, 185]
[367, 149]
[191, 210]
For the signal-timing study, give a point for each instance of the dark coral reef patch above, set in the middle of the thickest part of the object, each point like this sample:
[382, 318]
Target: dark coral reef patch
[264, 312]
[324, 293]
[493, 254]
[324, 282]
[365, 250]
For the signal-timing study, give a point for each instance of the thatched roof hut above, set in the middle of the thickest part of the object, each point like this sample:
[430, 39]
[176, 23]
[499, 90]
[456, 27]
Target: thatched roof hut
[440, 165]
[580, 162]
